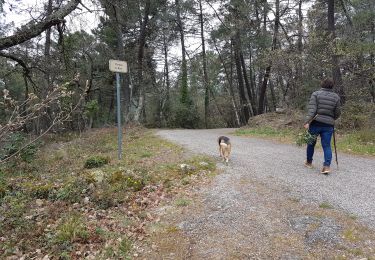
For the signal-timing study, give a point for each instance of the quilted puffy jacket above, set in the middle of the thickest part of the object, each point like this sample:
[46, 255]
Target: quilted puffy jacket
[325, 104]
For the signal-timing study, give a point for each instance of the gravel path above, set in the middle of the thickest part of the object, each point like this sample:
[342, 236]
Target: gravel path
[266, 205]
[350, 188]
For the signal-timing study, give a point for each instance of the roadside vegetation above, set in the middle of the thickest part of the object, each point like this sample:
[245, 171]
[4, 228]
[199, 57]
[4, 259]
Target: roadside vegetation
[355, 130]
[73, 199]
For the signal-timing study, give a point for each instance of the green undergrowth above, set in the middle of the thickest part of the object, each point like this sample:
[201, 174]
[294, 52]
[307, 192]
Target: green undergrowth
[361, 142]
[49, 202]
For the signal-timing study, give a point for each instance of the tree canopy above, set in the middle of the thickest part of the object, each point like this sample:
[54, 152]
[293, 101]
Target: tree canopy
[192, 64]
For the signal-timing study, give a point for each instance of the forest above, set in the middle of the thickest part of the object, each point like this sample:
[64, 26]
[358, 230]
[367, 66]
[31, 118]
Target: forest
[196, 69]
[192, 64]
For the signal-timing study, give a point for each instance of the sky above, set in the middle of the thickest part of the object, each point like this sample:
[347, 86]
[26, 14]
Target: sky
[21, 12]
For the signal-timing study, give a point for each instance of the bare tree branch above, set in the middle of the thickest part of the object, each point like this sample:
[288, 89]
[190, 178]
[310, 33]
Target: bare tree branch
[32, 29]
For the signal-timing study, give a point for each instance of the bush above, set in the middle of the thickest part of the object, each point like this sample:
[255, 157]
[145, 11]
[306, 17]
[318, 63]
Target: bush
[186, 116]
[72, 191]
[96, 161]
[14, 143]
[136, 184]
[357, 115]
[121, 180]
[366, 136]
[3, 185]
[104, 198]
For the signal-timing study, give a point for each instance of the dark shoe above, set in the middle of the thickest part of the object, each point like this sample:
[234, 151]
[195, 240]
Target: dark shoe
[308, 165]
[326, 170]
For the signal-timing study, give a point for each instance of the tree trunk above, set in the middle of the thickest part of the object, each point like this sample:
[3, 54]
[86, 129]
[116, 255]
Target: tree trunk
[184, 80]
[372, 62]
[252, 82]
[205, 76]
[44, 121]
[298, 82]
[241, 87]
[263, 88]
[247, 84]
[273, 96]
[230, 88]
[166, 108]
[336, 73]
[141, 47]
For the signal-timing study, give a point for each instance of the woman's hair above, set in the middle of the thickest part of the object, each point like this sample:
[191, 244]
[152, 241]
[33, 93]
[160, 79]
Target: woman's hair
[327, 83]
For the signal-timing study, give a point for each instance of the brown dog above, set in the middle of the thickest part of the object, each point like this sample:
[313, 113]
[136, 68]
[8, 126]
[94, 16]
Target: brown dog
[225, 147]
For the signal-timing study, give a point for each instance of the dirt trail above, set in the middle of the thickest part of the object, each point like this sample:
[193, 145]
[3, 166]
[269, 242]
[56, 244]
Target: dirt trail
[266, 205]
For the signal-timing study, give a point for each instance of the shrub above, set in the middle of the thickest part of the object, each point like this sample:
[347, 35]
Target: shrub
[136, 184]
[366, 136]
[3, 185]
[120, 179]
[356, 115]
[72, 191]
[96, 161]
[13, 210]
[116, 177]
[186, 116]
[104, 197]
[15, 142]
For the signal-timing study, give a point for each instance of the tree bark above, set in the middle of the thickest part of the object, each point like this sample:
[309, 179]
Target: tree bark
[263, 88]
[230, 88]
[184, 80]
[243, 100]
[166, 107]
[141, 48]
[247, 84]
[252, 82]
[204, 59]
[336, 73]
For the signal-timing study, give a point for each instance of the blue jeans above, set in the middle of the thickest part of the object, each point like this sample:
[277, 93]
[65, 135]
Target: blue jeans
[325, 133]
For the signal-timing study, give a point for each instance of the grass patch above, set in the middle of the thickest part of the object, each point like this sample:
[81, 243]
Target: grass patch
[360, 142]
[350, 235]
[172, 229]
[182, 202]
[66, 177]
[325, 205]
[72, 229]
